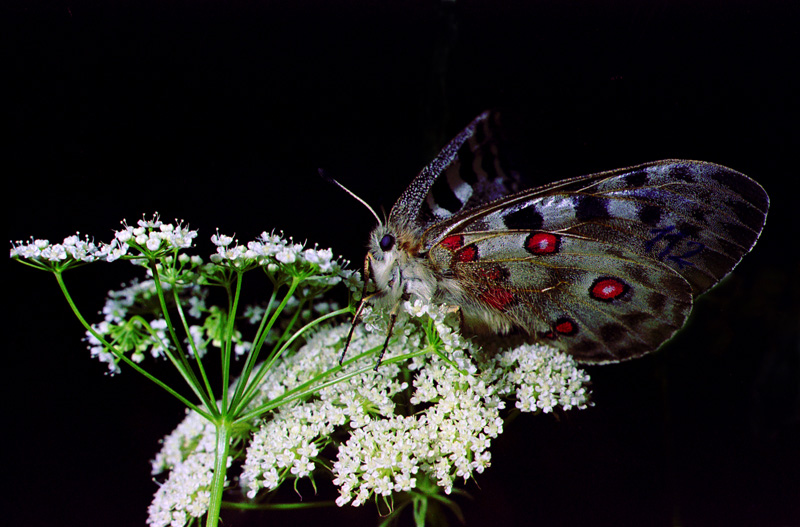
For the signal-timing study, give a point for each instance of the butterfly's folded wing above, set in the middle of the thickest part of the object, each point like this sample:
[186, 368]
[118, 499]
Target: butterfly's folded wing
[605, 265]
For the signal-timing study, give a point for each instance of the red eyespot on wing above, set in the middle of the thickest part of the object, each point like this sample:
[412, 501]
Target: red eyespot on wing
[497, 297]
[607, 289]
[467, 254]
[565, 326]
[542, 243]
[452, 243]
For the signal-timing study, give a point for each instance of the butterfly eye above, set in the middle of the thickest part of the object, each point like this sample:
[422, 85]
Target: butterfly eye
[387, 242]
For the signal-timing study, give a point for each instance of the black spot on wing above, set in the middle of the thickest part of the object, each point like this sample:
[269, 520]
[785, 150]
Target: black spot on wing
[586, 348]
[650, 214]
[683, 173]
[699, 216]
[634, 319]
[636, 179]
[689, 230]
[590, 207]
[656, 301]
[638, 273]
[525, 218]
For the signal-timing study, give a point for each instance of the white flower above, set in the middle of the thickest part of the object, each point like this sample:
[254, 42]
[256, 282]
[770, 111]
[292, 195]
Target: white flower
[152, 234]
[418, 308]
[221, 240]
[194, 434]
[286, 255]
[153, 241]
[125, 235]
[186, 493]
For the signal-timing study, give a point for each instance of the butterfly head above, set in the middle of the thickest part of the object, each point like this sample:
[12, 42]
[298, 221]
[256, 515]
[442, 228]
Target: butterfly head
[383, 262]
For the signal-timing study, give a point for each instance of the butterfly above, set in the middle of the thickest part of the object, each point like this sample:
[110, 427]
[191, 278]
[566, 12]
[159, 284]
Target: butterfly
[604, 267]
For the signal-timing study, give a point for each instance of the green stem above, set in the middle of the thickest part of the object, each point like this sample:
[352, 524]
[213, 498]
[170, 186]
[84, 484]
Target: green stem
[181, 362]
[121, 356]
[264, 368]
[258, 341]
[252, 357]
[195, 351]
[233, 305]
[224, 429]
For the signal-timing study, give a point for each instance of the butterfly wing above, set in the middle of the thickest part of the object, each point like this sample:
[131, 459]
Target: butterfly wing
[606, 266]
[473, 169]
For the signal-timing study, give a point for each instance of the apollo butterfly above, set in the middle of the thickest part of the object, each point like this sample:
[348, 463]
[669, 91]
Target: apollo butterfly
[604, 267]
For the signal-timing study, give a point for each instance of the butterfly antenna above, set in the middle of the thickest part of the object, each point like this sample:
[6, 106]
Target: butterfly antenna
[324, 175]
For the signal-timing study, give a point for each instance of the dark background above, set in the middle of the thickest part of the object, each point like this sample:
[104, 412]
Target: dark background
[220, 113]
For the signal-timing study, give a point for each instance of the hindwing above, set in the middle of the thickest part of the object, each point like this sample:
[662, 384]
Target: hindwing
[597, 301]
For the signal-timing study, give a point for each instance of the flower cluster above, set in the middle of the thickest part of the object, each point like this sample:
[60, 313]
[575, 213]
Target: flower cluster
[153, 235]
[195, 435]
[285, 444]
[187, 492]
[438, 425]
[447, 438]
[137, 334]
[272, 250]
[74, 247]
[148, 237]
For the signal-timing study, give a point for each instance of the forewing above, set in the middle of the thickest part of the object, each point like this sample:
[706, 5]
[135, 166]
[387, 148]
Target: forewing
[472, 170]
[697, 218]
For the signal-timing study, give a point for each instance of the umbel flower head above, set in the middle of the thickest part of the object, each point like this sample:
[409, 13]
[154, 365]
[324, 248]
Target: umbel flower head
[428, 411]
[148, 237]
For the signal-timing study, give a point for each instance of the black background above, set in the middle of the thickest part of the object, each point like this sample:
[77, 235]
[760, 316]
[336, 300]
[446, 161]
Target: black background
[220, 113]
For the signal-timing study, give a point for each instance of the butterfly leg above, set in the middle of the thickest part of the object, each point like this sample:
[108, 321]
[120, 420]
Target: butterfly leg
[392, 320]
[353, 324]
[360, 309]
